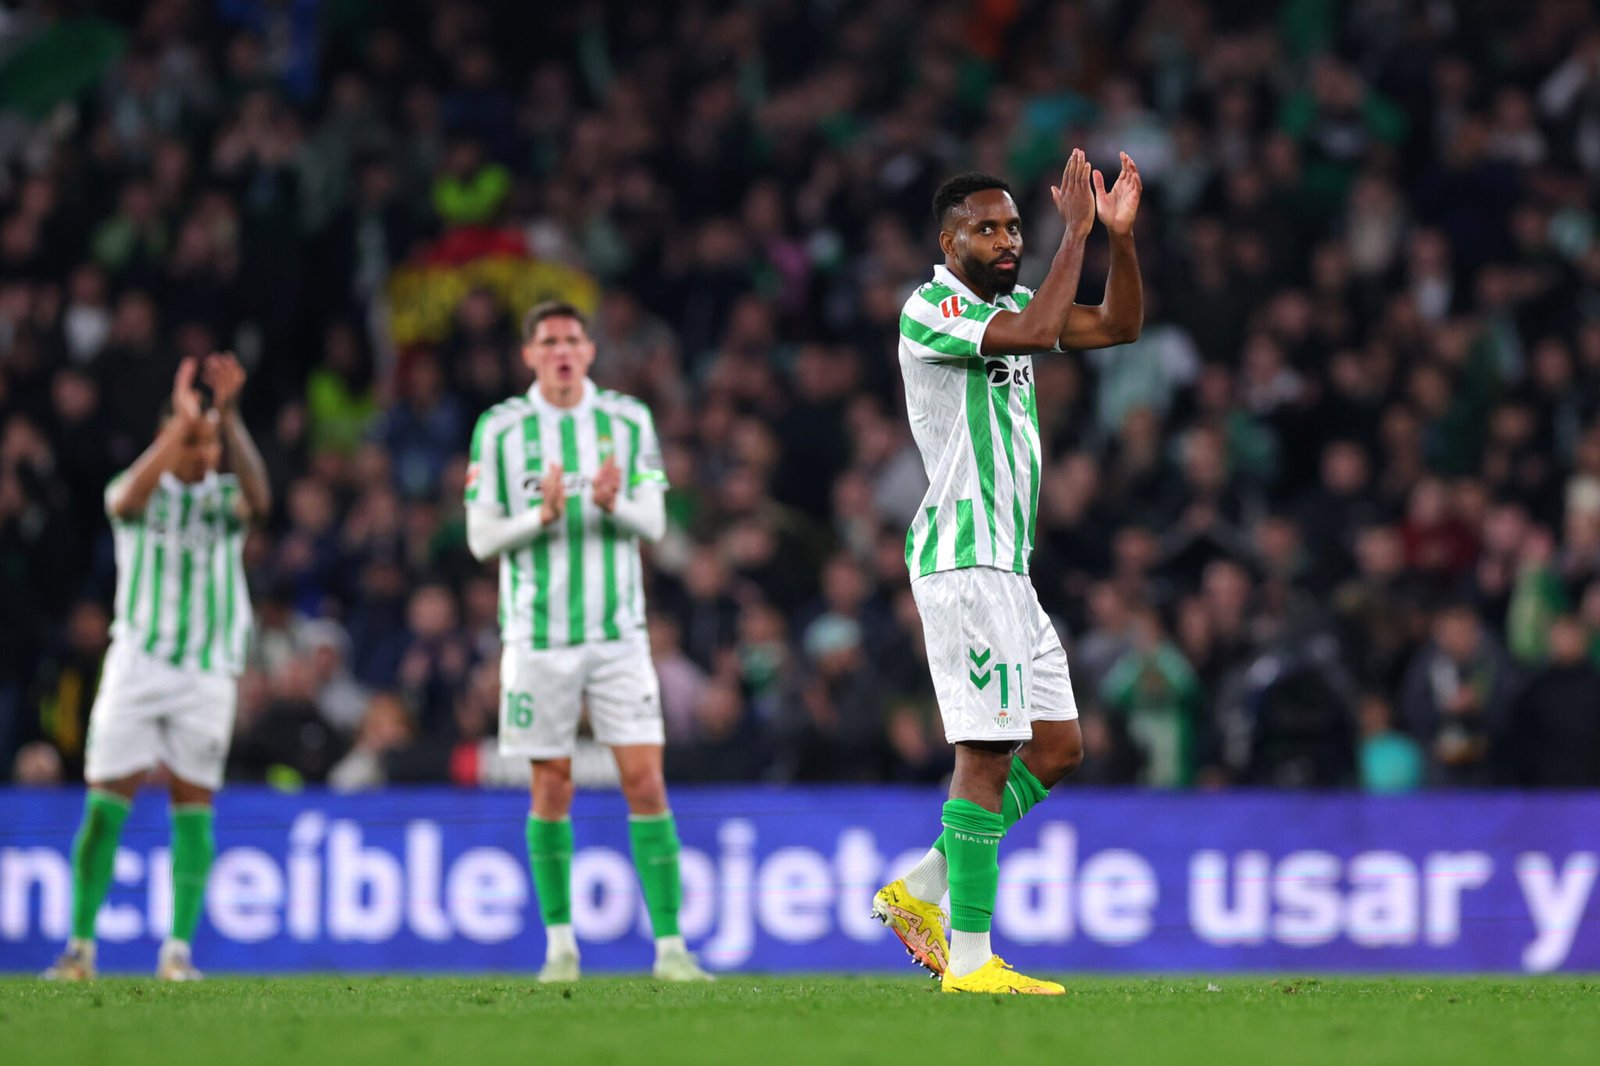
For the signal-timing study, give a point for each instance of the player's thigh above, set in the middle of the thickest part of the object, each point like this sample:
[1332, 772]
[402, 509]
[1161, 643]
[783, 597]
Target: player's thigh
[1050, 697]
[625, 695]
[125, 726]
[979, 636]
[198, 727]
[541, 698]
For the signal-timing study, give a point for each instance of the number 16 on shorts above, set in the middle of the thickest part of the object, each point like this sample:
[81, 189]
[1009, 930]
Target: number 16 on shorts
[519, 709]
[1010, 684]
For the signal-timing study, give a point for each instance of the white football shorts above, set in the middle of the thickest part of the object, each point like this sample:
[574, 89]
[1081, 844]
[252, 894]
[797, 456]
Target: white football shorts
[149, 713]
[997, 663]
[543, 694]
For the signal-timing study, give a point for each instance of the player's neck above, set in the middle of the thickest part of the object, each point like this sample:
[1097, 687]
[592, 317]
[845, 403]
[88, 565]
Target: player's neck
[977, 290]
[562, 395]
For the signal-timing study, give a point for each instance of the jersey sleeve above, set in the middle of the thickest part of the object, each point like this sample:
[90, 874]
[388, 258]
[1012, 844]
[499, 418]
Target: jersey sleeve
[645, 465]
[111, 488]
[234, 507]
[940, 326]
[486, 476]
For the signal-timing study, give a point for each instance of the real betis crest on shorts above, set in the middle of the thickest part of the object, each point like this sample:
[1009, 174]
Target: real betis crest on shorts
[1010, 694]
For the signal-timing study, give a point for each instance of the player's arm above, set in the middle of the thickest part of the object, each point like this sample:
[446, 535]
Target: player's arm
[1038, 327]
[492, 530]
[225, 377]
[636, 498]
[1121, 317]
[128, 495]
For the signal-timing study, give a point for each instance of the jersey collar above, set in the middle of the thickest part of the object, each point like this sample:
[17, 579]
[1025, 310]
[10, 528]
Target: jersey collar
[945, 276]
[585, 401]
[171, 483]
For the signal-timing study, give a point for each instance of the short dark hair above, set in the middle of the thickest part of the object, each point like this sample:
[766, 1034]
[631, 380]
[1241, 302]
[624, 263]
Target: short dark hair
[955, 191]
[550, 309]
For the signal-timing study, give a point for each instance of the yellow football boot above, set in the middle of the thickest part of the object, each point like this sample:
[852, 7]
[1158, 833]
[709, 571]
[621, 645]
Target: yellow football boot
[996, 978]
[918, 923]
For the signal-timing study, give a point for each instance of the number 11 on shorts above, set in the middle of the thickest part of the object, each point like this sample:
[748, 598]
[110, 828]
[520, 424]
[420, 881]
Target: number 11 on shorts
[980, 673]
[1004, 671]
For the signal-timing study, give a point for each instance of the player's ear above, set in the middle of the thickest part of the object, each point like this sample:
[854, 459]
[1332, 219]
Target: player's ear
[947, 242]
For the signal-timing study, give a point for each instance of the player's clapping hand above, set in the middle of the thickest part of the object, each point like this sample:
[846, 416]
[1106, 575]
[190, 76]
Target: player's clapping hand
[1118, 208]
[607, 483]
[224, 376]
[1073, 197]
[186, 409]
[553, 488]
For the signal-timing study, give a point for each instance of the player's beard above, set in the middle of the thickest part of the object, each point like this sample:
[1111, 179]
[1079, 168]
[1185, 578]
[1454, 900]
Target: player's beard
[988, 277]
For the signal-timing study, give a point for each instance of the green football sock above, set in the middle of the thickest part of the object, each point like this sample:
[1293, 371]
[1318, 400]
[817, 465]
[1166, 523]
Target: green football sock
[550, 858]
[1022, 793]
[972, 844]
[194, 846]
[94, 855]
[655, 856]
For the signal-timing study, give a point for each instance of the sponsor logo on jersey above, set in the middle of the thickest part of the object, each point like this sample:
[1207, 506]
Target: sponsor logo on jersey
[573, 484]
[1002, 373]
[473, 473]
[951, 307]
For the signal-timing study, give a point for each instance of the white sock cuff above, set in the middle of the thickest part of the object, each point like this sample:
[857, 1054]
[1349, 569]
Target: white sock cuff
[560, 940]
[930, 877]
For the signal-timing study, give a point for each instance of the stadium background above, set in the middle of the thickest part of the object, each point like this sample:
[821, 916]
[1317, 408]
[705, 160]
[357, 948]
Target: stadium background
[1332, 522]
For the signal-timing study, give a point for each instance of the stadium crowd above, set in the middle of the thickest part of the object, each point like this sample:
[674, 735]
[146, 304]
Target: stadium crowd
[1333, 520]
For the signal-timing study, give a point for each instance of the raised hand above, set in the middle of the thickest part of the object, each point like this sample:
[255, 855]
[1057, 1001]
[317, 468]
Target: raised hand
[553, 487]
[1073, 198]
[224, 376]
[1118, 208]
[607, 483]
[186, 409]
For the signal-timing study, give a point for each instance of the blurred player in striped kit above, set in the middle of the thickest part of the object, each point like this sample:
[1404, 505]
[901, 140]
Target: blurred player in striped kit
[564, 484]
[178, 644]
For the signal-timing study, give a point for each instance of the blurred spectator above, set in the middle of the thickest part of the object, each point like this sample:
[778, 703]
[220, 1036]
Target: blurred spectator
[67, 682]
[279, 737]
[423, 429]
[385, 727]
[1555, 723]
[435, 662]
[833, 718]
[1390, 761]
[37, 765]
[727, 743]
[342, 701]
[1154, 689]
[1456, 699]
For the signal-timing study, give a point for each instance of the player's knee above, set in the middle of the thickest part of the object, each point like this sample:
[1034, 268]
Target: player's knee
[645, 788]
[1062, 758]
[552, 787]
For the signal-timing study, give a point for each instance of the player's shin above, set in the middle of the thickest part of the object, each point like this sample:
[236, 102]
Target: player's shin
[972, 844]
[550, 859]
[194, 846]
[94, 853]
[930, 878]
[655, 855]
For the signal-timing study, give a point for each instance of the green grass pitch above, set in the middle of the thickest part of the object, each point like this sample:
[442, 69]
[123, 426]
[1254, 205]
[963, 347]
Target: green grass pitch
[772, 1020]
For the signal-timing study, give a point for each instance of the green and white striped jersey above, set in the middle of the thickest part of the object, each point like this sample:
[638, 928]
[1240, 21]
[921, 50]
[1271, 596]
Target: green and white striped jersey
[976, 424]
[580, 580]
[181, 591]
